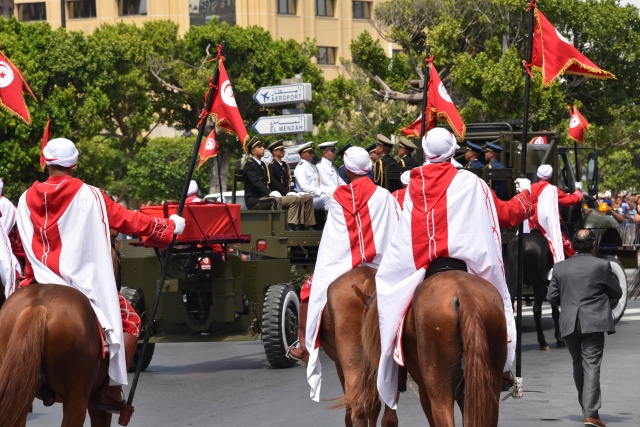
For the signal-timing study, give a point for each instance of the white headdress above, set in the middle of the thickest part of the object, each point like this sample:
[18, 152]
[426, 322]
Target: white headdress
[61, 152]
[439, 145]
[356, 160]
[405, 178]
[193, 188]
[545, 172]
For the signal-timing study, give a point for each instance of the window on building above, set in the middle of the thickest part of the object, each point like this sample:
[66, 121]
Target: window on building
[32, 12]
[132, 7]
[362, 10]
[324, 7]
[80, 9]
[327, 55]
[287, 7]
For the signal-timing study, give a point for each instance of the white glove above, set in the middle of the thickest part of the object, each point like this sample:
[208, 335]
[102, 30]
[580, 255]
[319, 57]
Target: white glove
[579, 186]
[293, 193]
[178, 222]
[275, 194]
[522, 184]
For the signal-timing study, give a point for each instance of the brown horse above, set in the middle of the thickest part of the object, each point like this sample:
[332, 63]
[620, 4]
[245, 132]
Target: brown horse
[455, 347]
[340, 328]
[50, 346]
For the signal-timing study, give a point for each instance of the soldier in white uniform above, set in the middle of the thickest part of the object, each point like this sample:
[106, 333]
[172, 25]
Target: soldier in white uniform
[328, 173]
[308, 178]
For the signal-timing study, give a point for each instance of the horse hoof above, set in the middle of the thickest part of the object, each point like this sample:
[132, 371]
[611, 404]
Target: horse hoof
[545, 347]
[561, 343]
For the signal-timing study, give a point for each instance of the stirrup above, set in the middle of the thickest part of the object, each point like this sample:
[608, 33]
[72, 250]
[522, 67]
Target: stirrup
[290, 356]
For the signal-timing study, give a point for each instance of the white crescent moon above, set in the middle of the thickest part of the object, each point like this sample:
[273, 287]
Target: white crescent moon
[226, 91]
[210, 145]
[8, 78]
[443, 93]
[575, 121]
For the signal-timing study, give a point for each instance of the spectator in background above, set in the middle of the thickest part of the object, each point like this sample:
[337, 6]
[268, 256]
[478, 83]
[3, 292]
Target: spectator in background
[607, 197]
[582, 286]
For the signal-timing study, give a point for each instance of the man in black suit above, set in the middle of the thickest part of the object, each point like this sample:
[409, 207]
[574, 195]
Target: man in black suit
[383, 148]
[405, 150]
[582, 286]
[281, 182]
[257, 194]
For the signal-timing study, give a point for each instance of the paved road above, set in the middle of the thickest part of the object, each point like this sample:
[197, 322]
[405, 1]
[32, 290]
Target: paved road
[231, 384]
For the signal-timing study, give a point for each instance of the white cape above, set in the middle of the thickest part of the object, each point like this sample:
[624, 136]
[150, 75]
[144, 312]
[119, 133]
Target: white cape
[549, 221]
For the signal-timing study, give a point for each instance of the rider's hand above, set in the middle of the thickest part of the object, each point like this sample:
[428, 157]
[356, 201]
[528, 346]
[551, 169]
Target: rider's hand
[523, 184]
[579, 186]
[275, 194]
[178, 222]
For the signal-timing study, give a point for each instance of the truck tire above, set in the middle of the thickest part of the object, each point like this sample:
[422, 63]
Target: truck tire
[135, 297]
[617, 309]
[280, 316]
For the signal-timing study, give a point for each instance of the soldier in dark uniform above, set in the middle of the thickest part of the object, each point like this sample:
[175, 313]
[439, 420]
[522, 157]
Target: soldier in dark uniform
[383, 148]
[492, 156]
[472, 156]
[405, 149]
[341, 170]
[373, 155]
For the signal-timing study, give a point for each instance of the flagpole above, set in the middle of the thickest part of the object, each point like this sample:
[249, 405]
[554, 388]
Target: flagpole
[517, 388]
[124, 418]
[425, 89]
[219, 172]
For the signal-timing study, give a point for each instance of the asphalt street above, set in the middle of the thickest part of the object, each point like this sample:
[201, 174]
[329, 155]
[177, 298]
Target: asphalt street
[231, 384]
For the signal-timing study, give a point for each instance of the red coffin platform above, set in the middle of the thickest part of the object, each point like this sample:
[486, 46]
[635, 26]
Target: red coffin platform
[205, 222]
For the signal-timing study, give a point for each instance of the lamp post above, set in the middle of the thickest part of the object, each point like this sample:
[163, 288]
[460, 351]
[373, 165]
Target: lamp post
[63, 21]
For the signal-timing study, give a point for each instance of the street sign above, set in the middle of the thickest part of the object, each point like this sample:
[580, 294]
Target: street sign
[281, 95]
[281, 125]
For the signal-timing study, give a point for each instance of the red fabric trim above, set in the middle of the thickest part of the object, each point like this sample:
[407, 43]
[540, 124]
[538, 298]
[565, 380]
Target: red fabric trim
[47, 201]
[131, 322]
[399, 195]
[354, 201]
[428, 190]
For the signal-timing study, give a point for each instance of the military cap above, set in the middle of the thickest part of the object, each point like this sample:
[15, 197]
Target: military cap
[253, 142]
[341, 151]
[276, 146]
[492, 147]
[307, 146]
[473, 147]
[384, 140]
[328, 144]
[371, 148]
[406, 143]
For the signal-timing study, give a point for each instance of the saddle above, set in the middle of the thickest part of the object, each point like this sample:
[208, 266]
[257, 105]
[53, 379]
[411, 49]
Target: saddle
[445, 264]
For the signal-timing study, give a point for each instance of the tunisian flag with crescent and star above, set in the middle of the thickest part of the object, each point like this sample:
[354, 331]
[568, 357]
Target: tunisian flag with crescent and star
[224, 109]
[539, 140]
[12, 86]
[554, 55]
[440, 105]
[46, 136]
[414, 128]
[577, 125]
[208, 149]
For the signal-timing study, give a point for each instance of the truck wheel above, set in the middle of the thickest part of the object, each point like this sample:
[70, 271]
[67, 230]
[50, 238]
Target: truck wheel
[618, 308]
[280, 323]
[135, 297]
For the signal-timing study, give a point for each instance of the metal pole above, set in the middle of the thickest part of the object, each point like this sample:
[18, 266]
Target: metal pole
[63, 19]
[169, 250]
[425, 89]
[219, 173]
[523, 165]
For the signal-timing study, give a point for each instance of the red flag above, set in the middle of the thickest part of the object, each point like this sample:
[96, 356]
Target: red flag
[46, 136]
[554, 55]
[440, 105]
[224, 109]
[12, 86]
[577, 125]
[208, 149]
[414, 128]
[539, 140]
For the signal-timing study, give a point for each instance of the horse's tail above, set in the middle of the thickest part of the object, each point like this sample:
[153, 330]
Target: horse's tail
[367, 394]
[481, 401]
[20, 366]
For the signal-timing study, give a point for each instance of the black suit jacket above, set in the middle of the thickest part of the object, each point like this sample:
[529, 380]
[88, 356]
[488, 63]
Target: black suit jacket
[280, 177]
[582, 286]
[256, 182]
[408, 162]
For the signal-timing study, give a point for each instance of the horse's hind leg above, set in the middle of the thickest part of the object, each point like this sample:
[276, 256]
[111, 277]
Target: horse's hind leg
[555, 313]
[99, 418]
[537, 317]
[74, 410]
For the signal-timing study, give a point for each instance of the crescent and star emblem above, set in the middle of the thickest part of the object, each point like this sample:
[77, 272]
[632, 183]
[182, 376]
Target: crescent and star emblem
[226, 91]
[210, 144]
[6, 74]
[575, 121]
[443, 93]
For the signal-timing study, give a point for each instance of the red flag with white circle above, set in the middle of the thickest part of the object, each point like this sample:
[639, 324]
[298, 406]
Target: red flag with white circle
[440, 105]
[12, 87]
[208, 148]
[224, 109]
[577, 125]
[539, 140]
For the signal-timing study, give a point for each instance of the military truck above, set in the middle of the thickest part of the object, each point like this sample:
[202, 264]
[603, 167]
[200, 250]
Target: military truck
[220, 287]
[566, 167]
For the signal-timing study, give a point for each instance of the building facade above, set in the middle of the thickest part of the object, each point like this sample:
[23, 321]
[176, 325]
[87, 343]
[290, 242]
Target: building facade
[332, 23]
[86, 15]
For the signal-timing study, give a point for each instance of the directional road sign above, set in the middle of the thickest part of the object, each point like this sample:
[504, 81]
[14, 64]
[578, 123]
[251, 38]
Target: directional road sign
[282, 95]
[280, 125]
